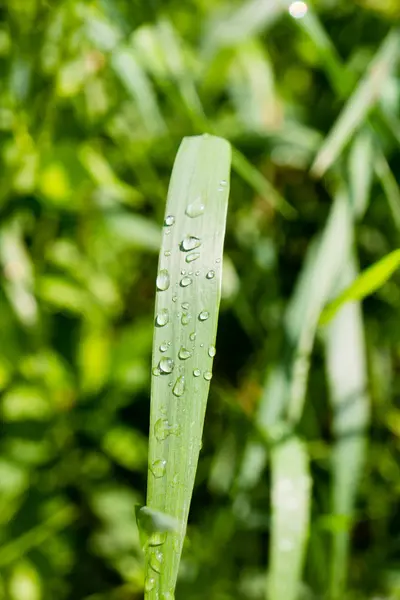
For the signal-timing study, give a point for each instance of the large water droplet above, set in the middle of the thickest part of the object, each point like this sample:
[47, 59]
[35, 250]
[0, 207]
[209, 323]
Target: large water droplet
[190, 242]
[192, 256]
[184, 353]
[157, 538]
[158, 468]
[211, 351]
[149, 584]
[169, 220]
[156, 559]
[192, 336]
[179, 387]
[207, 375]
[164, 347]
[195, 208]
[203, 316]
[185, 281]
[163, 429]
[210, 274]
[163, 280]
[298, 10]
[162, 318]
[166, 365]
[197, 372]
[186, 317]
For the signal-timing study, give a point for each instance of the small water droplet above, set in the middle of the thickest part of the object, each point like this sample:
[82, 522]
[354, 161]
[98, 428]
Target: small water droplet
[201, 345]
[192, 336]
[186, 317]
[174, 298]
[197, 372]
[162, 318]
[197, 273]
[167, 596]
[190, 242]
[164, 347]
[179, 387]
[184, 354]
[298, 10]
[149, 584]
[156, 559]
[192, 256]
[211, 351]
[203, 316]
[155, 371]
[166, 365]
[210, 274]
[195, 208]
[207, 375]
[163, 280]
[167, 253]
[218, 260]
[170, 384]
[158, 468]
[185, 305]
[183, 272]
[185, 281]
[169, 220]
[157, 538]
[163, 429]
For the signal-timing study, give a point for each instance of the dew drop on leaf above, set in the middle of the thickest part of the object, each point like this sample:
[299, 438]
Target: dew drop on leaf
[158, 468]
[163, 280]
[166, 365]
[162, 317]
[179, 387]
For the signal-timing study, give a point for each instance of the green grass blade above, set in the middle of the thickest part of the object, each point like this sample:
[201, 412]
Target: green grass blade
[389, 185]
[291, 499]
[367, 283]
[347, 377]
[187, 303]
[359, 104]
[361, 169]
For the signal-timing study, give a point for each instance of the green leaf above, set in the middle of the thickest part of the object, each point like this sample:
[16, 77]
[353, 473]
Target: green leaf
[367, 283]
[187, 303]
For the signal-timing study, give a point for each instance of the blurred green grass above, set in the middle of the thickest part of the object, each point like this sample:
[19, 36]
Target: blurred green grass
[95, 98]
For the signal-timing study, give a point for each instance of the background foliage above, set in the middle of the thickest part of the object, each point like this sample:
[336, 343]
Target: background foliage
[94, 100]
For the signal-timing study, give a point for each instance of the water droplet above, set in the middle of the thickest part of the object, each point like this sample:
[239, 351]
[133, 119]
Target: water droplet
[157, 538]
[197, 372]
[164, 347]
[218, 260]
[185, 305]
[298, 10]
[207, 375]
[169, 220]
[167, 253]
[155, 371]
[197, 273]
[158, 468]
[184, 354]
[163, 280]
[185, 281]
[192, 336]
[190, 242]
[192, 256]
[211, 351]
[179, 387]
[195, 208]
[201, 345]
[149, 584]
[166, 365]
[186, 317]
[210, 274]
[167, 596]
[223, 183]
[174, 298]
[162, 318]
[156, 559]
[203, 316]
[183, 272]
[162, 429]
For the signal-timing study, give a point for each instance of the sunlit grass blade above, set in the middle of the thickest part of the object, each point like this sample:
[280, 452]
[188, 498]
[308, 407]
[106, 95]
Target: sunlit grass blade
[347, 377]
[291, 499]
[187, 303]
[361, 170]
[359, 104]
[366, 283]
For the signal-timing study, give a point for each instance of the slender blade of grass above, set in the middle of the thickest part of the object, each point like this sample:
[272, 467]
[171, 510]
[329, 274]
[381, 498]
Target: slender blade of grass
[347, 377]
[291, 498]
[187, 303]
[359, 104]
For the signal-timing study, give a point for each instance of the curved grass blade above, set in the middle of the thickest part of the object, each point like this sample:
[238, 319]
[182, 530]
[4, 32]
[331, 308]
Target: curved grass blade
[291, 498]
[367, 283]
[347, 377]
[187, 303]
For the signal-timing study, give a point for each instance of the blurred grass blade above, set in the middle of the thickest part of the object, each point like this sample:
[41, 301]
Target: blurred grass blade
[260, 184]
[187, 303]
[361, 169]
[367, 283]
[359, 104]
[389, 185]
[347, 377]
[291, 500]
